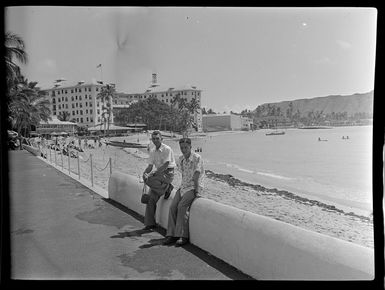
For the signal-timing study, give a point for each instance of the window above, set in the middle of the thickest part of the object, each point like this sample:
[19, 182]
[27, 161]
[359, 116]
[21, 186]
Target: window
[54, 107]
[72, 98]
[66, 99]
[97, 104]
[86, 111]
[97, 89]
[80, 105]
[98, 111]
[89, 89]
[58, 100]
[66, 106]
[59, 107]
[80, 98]
[91, 120]
[76, 97]
[86, 104]
[73, 106]
[91, 112]
[87, 119]
[72, 91]
[90, 104]
[77, 112]
[80, 90]
[77, 105]
[73, 113]
[77, 120]
[66, 91]
[98, 119]
[53, 101]
[81, 120]
[58, 92]
[81, 112]
[76, 90]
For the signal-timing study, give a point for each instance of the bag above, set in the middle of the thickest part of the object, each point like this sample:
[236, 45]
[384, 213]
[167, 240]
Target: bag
[145, 197]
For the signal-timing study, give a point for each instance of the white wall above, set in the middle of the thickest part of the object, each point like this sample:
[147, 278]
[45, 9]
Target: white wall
[261, 247]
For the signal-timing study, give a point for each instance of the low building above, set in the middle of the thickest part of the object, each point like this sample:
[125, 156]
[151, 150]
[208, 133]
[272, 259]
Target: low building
[226, 122]
[56, 126]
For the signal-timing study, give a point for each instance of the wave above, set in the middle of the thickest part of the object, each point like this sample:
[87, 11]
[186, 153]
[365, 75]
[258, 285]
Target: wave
[274, 175]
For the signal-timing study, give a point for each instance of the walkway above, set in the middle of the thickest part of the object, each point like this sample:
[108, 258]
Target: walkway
[60, 229]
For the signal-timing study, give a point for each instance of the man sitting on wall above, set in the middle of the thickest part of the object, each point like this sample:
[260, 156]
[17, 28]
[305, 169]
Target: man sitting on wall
[191, 166]
[159, 181]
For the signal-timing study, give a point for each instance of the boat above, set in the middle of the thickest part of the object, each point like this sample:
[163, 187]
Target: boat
[275, 133]
[126, 144]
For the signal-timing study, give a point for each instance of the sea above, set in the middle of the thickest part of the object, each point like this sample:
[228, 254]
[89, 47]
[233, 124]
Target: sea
[336, 171]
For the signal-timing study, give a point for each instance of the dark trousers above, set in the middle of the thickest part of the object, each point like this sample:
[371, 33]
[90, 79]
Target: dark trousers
[158, 185]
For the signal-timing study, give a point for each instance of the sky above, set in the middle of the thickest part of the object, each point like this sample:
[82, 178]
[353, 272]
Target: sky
[239, 57]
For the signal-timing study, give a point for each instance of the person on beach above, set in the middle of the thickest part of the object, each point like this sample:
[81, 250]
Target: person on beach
[159, 180]
[190, 165]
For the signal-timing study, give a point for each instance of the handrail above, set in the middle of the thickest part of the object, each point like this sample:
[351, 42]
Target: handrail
[104, 167]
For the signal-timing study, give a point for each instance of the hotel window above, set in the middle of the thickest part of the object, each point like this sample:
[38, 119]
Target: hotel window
[66, 91]
[89, 89]
[53, 101]
[77, 105]
[54, 107]
[80, 90]
[73, 113]
[58, 92]
[66, 99]
[97, 89]
[91, 113]
[80, 105]
[72, 98]
[59, 107]
[87, 119]
[166, 100]
[77, 120]
[81, 112]
[90, 104]
[73, 106]
[86, 104]
[76, 90]
[77, 112]
[66, 106]
[97, 104]
[80, 98]
[81, 120]
[98, 119]
[76, 97]
[91, 120]
[86, 111]
[98, 111]
[72, 91]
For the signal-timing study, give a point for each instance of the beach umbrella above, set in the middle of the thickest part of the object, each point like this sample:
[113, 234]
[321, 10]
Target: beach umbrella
[54, 134]
[63, 133]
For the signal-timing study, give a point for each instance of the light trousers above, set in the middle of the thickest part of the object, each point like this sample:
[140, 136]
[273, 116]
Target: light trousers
[178, 216]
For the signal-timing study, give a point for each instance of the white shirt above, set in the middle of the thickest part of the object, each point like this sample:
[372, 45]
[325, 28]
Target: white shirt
[160, 156]
[187, 167]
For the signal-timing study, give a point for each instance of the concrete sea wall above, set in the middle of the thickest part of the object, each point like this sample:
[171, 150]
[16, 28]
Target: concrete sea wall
[261, 247]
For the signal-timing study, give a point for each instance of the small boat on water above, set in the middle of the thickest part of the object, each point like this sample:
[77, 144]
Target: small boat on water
[275, 133]
[126, 144]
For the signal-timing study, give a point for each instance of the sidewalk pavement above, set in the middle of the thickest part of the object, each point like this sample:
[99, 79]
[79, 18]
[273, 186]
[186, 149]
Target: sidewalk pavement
[61, 229]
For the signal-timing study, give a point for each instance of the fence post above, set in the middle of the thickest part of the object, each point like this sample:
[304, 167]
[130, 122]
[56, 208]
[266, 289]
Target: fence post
[92, 173]
[110, 167]
[55, 157]
[69, 162]
[79, 164]
[50, 158]
[62, 164]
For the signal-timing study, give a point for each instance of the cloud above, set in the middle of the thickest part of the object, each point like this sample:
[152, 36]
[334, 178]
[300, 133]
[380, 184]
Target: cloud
[322, 60]
[344, 44]
[47, 66]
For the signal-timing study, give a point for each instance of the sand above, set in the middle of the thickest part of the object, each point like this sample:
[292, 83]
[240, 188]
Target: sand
[279, 205]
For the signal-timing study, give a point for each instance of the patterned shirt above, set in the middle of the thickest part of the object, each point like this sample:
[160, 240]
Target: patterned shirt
[160, 156]
[187, 167]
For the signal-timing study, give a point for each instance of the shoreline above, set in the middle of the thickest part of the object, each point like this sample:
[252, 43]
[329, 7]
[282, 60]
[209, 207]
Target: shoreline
[281, 205]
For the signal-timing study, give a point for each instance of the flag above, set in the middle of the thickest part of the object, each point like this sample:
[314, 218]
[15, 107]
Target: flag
[99, 65]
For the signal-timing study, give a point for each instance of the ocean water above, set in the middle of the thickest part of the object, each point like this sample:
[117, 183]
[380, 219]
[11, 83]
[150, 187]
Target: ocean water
[336, 171]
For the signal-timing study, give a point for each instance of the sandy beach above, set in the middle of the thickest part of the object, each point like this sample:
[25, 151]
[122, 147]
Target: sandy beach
[276, 204]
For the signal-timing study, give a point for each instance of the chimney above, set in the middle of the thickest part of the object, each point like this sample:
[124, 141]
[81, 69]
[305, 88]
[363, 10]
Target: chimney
[154, 81]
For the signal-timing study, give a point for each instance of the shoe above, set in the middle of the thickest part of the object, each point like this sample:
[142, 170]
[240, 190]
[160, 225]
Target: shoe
[169, 240]
[168, 191]
[147, 228]
[181, 242]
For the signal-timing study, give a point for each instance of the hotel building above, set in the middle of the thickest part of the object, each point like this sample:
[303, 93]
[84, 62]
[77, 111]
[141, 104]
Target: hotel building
[226, 122]
[80, 100]
[164, 94]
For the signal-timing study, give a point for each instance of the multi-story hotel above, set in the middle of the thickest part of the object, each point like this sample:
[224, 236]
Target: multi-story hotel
[79, 100]
[164, 94]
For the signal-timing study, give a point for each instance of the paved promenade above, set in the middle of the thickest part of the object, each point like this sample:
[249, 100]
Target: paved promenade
[60, 229]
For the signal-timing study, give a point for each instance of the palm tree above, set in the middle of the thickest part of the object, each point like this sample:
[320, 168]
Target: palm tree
[105, 95]
[28, 106]
[14, 50]
[64, 116]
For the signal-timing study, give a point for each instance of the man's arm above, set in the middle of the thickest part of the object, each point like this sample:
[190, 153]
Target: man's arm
[195, 180]
[162, 168]
[147, 171]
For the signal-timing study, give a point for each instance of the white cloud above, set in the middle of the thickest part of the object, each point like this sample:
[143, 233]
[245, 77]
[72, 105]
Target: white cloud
[47, 66]
[344, 44]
